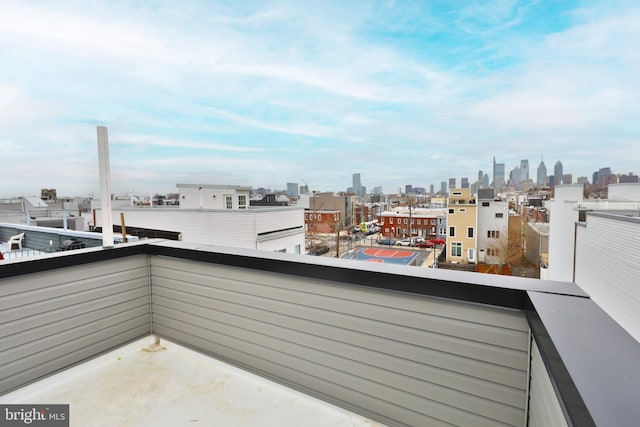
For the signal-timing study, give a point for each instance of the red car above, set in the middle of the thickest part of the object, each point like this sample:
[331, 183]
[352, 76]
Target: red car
[427, 244]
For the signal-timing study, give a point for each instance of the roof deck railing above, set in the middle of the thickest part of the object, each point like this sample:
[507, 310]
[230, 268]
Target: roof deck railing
[397, 344]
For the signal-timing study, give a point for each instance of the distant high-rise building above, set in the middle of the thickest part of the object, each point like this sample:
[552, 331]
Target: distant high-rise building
[514, 177]
[357, 187]
[631, 178]
[443, 187]
[582, 180]
[524, 169]
[480, 176]
[485, 181]
[464, 182]
[431, 188]
[377, 190]
[452, 183]
[498, 173]
[602, 177]
[542, 174]
[567, 178]
[408, 189]
[304, 189]
[292, 189]
[557, 173]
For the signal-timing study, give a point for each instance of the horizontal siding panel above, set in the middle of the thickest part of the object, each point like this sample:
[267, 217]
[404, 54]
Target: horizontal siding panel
[390, 349]
[610, 276]
[351, 399]
[347, 329]
[544, 407]
[84, 350]
[376, 320]
[513, 319]
[316, 352]
[54, 278]
[60, 317]
[41, 348]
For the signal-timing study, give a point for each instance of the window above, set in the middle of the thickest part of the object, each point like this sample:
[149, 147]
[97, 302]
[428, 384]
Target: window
[462, 209]
[306, 216]
[419, 222]
[412, 222]
[493, 234]
[228, 201]
[452, 231]
[451, 211]
[499, 215]
[242, 201]
[456, 249]
[298, 249]
[485, 204]
[457, 193]
[433, 221]
[470, 232]
[319, 217]
[440, 221]
[406, 221]
[493, 252]
[390, 220]
[442, 231]
[386, 230]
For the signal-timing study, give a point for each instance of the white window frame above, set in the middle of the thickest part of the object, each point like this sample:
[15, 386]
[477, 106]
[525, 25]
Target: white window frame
[457, 246]
[228, 200]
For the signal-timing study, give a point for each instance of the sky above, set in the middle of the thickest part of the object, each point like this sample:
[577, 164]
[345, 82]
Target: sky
[262, 93]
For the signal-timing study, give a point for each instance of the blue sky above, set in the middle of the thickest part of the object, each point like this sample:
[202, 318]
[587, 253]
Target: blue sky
[263, 93]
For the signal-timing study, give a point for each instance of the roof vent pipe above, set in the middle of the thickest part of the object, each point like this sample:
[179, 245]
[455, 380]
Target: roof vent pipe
[105, 181]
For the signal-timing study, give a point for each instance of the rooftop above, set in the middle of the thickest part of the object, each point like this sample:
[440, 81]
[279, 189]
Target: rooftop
[158, 382]
[395, 344]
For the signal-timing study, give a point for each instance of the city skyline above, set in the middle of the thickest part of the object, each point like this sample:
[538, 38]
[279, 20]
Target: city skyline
[267, 93]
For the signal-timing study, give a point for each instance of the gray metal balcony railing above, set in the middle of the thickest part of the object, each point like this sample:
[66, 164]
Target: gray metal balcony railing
[401, 345]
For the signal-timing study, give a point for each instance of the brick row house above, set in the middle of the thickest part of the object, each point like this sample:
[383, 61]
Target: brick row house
[402, 222]
[321, 221]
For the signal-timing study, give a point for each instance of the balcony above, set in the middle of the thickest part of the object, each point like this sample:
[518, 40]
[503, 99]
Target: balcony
[392, 344]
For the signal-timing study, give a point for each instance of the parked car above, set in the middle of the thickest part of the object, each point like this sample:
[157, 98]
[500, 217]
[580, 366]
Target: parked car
[404, 242]
[388, 242]
[424, 244]
[418, 239]
[319, 250]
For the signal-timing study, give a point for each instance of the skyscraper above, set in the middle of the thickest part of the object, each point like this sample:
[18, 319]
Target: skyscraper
[542, 174]
[498, 174]
[485, 181]
[357, 187]
[292, 189]
[452, 183]
[464, 182]
[524, 169]
[514, 177]
[443, 187]
[557, 173]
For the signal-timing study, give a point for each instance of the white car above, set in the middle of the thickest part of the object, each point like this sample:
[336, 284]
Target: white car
[418, 240]
[404, 242]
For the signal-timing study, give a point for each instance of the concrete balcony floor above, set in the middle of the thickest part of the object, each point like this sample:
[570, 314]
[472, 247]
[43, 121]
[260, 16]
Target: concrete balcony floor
[165, 384]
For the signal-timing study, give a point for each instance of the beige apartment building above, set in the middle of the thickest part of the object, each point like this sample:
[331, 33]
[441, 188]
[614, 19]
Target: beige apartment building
[462, 227]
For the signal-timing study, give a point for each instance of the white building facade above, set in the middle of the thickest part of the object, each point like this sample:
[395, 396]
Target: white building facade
[493, 230]
[608, 265]
[203, 196]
